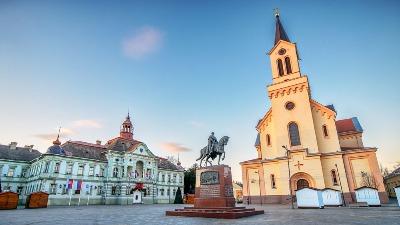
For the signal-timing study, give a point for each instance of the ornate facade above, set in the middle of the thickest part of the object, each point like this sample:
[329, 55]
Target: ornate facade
[122, 171]
[300, 143]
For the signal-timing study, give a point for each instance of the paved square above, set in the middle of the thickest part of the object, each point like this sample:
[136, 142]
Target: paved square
[155, 214]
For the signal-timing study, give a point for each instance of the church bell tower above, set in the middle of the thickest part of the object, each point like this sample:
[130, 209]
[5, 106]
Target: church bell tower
[126, 131]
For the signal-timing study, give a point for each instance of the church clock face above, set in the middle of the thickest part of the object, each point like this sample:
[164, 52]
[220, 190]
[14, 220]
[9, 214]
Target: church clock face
[282, 51]
[289, 105]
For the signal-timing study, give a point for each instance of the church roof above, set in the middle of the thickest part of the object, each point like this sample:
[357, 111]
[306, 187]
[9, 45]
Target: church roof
[18, 154]
[348, 125]
[120, 144]
[165, 164]
[84, 150]
[280, 33]
[257, 140]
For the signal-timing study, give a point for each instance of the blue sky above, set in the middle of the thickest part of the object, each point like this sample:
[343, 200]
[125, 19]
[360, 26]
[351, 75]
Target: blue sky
[186, 68]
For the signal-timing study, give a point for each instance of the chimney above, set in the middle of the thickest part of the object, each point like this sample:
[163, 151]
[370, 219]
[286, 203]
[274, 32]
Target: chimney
[29, 147]
[98, 142]
[13, 145]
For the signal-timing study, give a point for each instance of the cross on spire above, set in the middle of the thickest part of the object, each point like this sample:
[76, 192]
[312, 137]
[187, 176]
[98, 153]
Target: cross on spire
[276, 11]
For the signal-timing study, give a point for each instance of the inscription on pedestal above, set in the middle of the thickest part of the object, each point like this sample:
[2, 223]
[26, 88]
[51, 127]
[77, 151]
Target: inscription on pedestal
[209, 191]
[209, 177]
[228, 191]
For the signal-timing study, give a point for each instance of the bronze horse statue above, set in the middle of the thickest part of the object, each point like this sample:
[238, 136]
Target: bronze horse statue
[217, 150]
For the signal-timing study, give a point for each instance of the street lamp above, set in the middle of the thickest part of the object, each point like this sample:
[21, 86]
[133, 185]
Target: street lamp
[290, 179]
[156, 192]
[259, 186]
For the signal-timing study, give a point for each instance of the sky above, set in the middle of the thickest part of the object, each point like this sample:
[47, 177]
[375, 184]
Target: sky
[185, 69]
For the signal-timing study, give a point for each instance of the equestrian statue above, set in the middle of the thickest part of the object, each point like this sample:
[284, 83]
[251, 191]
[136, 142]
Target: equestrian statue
[213, 149]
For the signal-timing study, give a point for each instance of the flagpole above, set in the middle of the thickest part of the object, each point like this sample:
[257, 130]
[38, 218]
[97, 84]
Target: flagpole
[70, 196]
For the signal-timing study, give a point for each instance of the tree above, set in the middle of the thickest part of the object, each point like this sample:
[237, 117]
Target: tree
[369, 180]
[190, 179]
[178, 197]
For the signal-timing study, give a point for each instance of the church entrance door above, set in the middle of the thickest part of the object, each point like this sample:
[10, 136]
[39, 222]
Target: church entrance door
[302, 183]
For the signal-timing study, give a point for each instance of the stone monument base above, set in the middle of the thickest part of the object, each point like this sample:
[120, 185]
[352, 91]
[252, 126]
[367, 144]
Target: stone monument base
[214, 196]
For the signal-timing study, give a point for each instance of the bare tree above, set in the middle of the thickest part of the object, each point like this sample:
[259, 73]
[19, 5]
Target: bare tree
[369, 180]
[172, 160]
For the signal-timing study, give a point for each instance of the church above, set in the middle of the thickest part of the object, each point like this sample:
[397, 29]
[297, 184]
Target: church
[122, 171]
[301, 144]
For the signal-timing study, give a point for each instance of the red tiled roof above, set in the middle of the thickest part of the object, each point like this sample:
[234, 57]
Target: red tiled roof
[345, 125]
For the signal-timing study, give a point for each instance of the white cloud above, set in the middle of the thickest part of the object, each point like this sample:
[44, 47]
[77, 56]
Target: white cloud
[144, 42]
[173, 147]
[86, 124]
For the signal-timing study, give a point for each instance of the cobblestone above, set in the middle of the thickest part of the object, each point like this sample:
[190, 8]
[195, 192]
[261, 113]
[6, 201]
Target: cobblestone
[155, 214]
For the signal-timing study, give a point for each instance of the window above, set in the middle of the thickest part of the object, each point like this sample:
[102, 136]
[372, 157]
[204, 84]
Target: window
[273, 181]
[80, 170]
[23, 172]
[325, 131]
[91, 171]
[57, 168]
[168, 191]
[173, 192]
[115, 172]
[280, 67]
[174, 178]
[19, 189]
[268, 140]
[163, 178]
[169, 178]
[113, 190]
[10, 172]
[64, 189]
[101, 172]
[46, 167]
[69, 168]
[162, 191]
[334, 178]
[53, 189]
[294, 134]
[288, 66]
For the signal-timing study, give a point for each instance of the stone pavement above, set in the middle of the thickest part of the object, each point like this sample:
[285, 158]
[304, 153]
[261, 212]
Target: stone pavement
[155, 214]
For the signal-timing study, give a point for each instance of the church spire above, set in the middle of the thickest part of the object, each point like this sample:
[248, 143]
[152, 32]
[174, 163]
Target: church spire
[127, 128]
[280, 33]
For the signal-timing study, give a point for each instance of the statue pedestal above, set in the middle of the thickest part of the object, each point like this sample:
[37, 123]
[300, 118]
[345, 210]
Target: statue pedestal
[214, 187]
[214, 196]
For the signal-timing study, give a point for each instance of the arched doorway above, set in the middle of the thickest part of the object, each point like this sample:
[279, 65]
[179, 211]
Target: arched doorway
[301, 180]
[302, 183]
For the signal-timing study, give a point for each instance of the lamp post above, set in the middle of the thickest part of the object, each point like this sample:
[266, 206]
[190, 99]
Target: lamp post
[259, 186]
[154, 193]
[290, 179]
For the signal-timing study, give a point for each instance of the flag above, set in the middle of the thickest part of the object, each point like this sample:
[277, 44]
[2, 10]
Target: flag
[87, 186]
[70, 182]
[78, 185]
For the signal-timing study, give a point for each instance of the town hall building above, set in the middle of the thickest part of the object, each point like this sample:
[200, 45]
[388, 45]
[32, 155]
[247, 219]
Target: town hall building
[122, 171]
[301, 136]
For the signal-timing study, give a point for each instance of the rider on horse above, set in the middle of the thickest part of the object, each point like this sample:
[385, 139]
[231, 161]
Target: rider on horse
[212, 140]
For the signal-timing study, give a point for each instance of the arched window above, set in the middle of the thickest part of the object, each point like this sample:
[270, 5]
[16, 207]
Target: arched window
[334, 178]
[294, 134]
[280, 67]
[288, 66]
[325, 131]
[268, 140]
[273, 181]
